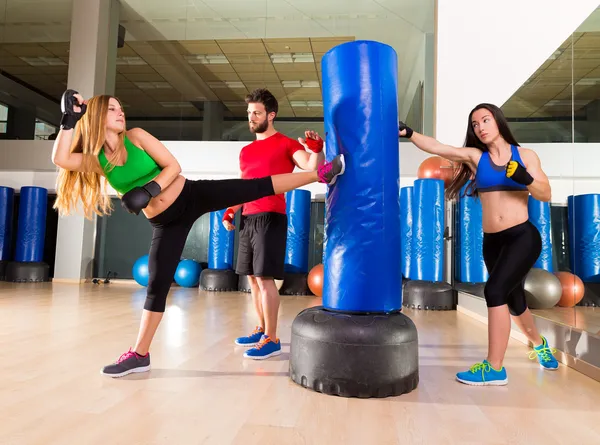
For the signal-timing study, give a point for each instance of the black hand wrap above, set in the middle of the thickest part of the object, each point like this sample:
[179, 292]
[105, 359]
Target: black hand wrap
[70, 116]
[403, 126]
[518, 173]
[138, 198]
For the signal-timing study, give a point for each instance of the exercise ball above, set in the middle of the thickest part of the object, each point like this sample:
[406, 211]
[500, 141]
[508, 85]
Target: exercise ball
[315, 280]
[542, 289]
[187, 273]
[572, 289]
[436, 167]
[140, 271]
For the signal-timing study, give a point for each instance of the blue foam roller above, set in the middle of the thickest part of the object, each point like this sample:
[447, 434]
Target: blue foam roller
[7, 200]
[362, 266]
[571, 230]
[406, 222]
[539, 215]
[427, 260]
[221, 244]
[586, 222]
[31, 229]
[470, 240]
[298, 231]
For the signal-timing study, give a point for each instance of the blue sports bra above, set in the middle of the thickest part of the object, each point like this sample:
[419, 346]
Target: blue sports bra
[491, 177]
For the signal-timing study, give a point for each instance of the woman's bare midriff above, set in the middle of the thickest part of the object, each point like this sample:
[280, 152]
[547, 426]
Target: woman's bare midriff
[502, 210]
[163, 201]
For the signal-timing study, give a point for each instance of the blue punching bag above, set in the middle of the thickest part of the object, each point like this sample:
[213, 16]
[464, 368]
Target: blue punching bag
[539, 215]
[31, 230]
[406, 223]
[359, 343]
[221, 245]
[586, 234]
[7, 200]
[427, 260]
[571, 230]
[470, 240]
[362, 267]
[298, 231]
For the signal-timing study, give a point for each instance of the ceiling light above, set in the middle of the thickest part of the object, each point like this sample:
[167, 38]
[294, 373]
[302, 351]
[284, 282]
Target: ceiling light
[130, 60]
[206, 59]
[590, 81]
[291, 57]
[300, 83]
[43, 61]
[153, 85]
[306, 103]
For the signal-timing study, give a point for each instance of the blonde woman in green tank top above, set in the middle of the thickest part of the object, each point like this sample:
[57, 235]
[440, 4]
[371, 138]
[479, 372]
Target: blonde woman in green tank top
[94, 148]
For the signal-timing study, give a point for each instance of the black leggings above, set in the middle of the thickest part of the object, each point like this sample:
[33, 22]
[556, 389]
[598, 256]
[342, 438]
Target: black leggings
[509, 255]
[171, 227]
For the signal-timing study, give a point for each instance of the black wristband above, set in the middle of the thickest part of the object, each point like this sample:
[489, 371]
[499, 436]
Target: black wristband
[68, 121]
[153, 188]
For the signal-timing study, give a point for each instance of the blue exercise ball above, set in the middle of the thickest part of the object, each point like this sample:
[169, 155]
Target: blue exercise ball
[188, 273]
[140, 271]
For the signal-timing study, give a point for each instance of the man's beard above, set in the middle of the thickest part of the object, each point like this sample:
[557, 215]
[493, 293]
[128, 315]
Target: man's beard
[260, 128]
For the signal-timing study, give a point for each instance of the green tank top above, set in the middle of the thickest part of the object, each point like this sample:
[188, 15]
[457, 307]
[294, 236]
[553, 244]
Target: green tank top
[139, 169]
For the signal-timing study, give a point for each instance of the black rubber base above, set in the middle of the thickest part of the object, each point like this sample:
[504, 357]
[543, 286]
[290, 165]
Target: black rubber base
[3, 270]
[354, 355]
[17, 272]
[244, 284]
[218, 280]
[429, 296]
[591, 297]
[295, 284]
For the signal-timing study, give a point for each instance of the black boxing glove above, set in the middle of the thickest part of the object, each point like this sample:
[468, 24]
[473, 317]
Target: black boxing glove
[403, 126]
[138, 198]
[518, 173]
[70, 116]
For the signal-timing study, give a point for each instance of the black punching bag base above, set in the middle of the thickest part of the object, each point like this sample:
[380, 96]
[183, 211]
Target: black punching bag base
[219, 280]
[3, 270]
[428, 295]
[363, 355]
[27, 272]
[295, 284]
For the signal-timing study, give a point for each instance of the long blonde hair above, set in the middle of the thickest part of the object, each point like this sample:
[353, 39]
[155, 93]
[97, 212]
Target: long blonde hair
[89, 185]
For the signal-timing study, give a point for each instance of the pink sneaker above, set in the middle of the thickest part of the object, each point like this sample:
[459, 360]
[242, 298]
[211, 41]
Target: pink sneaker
[126, 364]
[329, 171]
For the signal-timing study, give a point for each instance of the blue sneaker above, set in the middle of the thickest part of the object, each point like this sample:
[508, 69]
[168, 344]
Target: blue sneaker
[482, 374]
[252, 339]
[544, 356]
[264, 349]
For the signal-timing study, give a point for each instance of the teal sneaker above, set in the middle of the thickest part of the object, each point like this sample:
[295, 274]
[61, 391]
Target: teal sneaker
[482, 374]
[264, 349]
[545, 356]
[252, 339]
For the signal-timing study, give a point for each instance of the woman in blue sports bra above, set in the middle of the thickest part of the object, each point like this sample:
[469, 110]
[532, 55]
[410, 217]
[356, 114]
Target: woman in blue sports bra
[94, 147]
[504, 176]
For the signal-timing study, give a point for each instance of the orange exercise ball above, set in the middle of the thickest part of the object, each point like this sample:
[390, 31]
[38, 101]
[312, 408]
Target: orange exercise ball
[573, 289]
[436, 167]
[315, 280]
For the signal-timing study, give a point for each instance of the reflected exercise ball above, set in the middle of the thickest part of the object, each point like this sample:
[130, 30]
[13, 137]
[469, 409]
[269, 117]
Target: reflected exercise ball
[315, 280]
[542, 289]
[436, 167]
[572, 289]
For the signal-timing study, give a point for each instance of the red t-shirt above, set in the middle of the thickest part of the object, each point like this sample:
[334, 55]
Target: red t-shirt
[270, 156]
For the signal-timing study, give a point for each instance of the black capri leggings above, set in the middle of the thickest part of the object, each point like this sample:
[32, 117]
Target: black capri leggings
[171, 227]
[509, 255]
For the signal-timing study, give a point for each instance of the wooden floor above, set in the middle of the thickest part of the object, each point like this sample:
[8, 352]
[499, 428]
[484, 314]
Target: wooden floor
[55, 338]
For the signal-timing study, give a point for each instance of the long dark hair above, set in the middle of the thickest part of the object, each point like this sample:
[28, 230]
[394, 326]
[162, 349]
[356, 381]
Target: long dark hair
[471, 140]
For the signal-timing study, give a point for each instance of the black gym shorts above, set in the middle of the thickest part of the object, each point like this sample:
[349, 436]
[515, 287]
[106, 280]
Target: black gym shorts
[262, 242]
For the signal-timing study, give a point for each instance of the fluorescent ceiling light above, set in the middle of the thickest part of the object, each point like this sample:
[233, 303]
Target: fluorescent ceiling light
[300, 83]
[306, 103]
[176, 104]
[153, 85]
[206, 59]
[292, 57]
[43, 61]
[130, 60]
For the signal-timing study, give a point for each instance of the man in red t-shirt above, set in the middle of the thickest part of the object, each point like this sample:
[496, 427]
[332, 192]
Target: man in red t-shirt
[263, 233]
